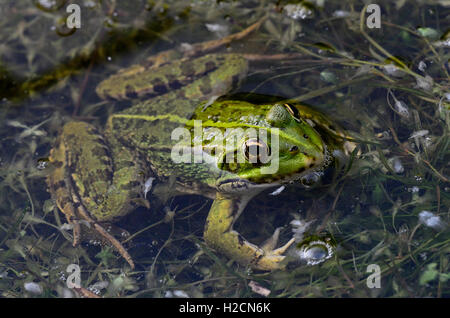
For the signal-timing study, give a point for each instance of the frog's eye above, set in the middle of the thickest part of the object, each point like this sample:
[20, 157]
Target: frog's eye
[256, 151]
[292, 110]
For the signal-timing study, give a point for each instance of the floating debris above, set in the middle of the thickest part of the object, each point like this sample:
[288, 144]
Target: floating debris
[397, 165]
[297, 11]
[328, 77]
[176, 293]
[299, 228]
[148, 186]
[419, 133]
[422, 66]
[180, 294]
[256, 288]
[429, 219]
[98, 286]
[341, 14]
[445, 43]
[402, 109]
[33, 288]
[425, 83]
[393, 70]
[219, 29]
[278, 191]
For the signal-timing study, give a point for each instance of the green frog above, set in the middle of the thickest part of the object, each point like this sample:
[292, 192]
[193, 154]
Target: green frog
[178, 134]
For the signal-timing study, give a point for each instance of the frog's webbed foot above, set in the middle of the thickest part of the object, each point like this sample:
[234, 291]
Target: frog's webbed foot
[220, 235]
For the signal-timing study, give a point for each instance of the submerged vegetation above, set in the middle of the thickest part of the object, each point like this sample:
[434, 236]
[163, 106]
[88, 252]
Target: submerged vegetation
[388, 86]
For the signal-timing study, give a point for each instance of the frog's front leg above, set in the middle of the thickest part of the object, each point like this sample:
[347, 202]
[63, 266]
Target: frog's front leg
[219, 234]
[93, 181]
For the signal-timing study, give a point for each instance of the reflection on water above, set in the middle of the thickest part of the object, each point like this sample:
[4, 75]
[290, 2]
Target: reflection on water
[388, 87]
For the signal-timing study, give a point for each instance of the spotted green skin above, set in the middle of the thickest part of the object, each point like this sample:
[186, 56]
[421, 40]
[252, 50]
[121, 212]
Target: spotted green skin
[104, 171]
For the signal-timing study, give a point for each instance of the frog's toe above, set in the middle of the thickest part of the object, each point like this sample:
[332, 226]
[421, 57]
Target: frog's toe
[102, 232]
[272, 258]
[282, 249]
[272, 242]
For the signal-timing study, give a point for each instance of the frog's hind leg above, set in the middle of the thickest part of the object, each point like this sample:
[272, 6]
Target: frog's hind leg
[88, 184]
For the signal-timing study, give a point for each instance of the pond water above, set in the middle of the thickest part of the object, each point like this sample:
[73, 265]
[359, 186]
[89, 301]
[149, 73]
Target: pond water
[377, 225]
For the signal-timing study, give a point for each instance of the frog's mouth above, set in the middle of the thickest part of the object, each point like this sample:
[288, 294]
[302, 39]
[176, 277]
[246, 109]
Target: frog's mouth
[237, 185]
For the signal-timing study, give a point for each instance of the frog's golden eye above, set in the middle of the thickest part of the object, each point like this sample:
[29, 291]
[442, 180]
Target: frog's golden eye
[292, 110]
[256, 151]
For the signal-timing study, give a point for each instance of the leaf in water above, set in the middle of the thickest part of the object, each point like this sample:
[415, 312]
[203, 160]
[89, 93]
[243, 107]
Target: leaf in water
[325, 46]
[429, 275]
[428, 33]
[328, 77]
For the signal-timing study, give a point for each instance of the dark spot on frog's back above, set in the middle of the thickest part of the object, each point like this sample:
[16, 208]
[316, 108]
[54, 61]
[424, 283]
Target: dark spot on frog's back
[160, 89]
[159, 86]
[130, 92]
[175, 84]
[210, 66]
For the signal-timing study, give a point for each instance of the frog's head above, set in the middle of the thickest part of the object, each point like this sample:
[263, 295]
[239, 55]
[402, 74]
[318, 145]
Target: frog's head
[285, 149]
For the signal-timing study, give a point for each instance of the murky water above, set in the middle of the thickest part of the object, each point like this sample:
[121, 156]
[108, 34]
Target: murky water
[383, 77]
